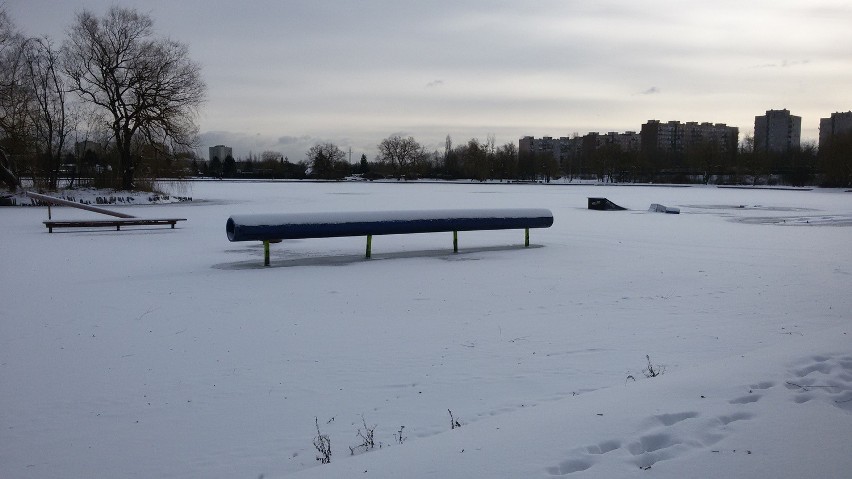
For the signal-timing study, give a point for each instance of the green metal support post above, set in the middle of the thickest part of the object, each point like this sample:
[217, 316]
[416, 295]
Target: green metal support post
[526, 237]
[369, 246]
[266, 252]
[455, 241]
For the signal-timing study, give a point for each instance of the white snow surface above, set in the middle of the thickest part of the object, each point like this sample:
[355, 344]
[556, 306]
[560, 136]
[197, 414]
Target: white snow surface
[153, 352]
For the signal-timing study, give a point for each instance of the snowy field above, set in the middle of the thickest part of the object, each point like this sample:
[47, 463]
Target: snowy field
[158, 353]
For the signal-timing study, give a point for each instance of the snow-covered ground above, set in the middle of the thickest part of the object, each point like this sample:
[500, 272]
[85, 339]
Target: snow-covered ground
[154, 352]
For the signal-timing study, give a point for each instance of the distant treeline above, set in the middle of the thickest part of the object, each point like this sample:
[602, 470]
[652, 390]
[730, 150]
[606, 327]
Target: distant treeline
[405, 158]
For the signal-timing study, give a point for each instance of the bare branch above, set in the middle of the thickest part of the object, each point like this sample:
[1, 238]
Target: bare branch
[148, 86]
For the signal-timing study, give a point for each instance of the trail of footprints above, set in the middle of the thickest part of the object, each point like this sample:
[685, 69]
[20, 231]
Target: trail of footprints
[824, 378]
[667, 436]
[663, 439]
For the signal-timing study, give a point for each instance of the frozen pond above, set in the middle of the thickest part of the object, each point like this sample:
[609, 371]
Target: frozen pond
[174, 353]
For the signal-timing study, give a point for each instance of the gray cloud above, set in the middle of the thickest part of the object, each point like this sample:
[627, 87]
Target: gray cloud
[351, 72]
[290, 140]
[783, 64]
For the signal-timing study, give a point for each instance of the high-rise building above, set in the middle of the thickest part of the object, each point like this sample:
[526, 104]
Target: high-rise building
[659, 137]
[530, 145]
[836, 124]
[777, 131]
[220, 151]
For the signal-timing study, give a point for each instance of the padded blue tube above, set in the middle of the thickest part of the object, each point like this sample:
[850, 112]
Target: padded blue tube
[267, 227]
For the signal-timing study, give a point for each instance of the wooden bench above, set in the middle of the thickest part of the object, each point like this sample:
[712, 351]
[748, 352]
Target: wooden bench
[273, 228]
[117, 223]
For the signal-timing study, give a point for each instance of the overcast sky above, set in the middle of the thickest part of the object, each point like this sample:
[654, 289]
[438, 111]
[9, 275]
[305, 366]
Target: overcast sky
[283, 75]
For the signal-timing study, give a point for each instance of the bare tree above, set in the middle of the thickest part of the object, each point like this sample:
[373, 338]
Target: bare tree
[328, 161]
[148, 86]
[402, 153]
[15, 94]
[834, 160]
[474, 158]
[6, 173]
[49, 119]
[270, 156]
[7, 34]
[507, 160]
[451, 165]
[7, 28]
[91, 136]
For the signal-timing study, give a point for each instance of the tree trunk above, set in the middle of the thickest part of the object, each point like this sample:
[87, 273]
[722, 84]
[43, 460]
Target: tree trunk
[127, 162]
[6, 173]
[127, 173]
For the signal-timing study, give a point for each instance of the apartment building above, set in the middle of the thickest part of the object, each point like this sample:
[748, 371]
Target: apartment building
[566, 148]
[674, 137]
[837, 124]
[546, 145]
[777, 131]
[220, 151]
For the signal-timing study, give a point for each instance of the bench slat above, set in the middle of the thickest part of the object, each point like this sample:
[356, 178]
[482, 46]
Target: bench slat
[117, 223]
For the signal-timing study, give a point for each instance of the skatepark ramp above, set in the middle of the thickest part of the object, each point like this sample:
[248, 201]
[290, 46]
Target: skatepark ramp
[603, 204]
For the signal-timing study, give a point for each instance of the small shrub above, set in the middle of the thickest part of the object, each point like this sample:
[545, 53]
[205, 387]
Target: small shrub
[652, 371]
[399, 437]
[454, 423]
[367, 438]
[323, 444]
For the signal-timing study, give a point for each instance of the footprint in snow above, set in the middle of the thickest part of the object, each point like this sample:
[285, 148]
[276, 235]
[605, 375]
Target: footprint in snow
[661, 443]
[570, 466]
[823, 377]
[653, 448]
[583, 458]
[763, 385]
[737, 416]
[672, 419]
[667, 436]
[746, 399]
[604, 447]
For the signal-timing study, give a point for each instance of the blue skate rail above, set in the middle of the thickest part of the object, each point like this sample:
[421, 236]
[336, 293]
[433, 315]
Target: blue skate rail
[273, 228]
